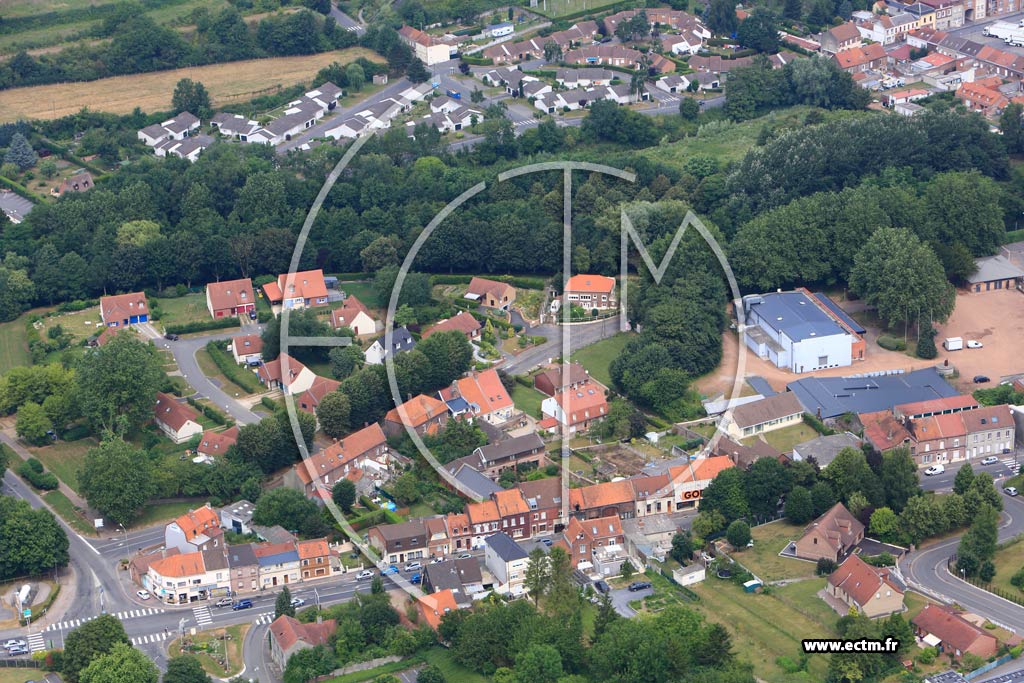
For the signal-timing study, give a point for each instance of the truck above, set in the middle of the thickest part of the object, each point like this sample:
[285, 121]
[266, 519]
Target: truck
[953, 343]
[1016, 38]
[1000, 29]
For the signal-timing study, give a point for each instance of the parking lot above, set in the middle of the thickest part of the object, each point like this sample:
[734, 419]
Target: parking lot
[996, 319]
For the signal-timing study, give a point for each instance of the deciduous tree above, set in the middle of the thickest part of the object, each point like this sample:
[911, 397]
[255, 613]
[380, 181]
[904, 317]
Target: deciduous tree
[117, 383]
[116, 479]
[344, 494]
[90, 641]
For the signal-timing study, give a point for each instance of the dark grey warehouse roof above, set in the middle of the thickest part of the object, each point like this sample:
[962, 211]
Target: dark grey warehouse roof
[833, 396]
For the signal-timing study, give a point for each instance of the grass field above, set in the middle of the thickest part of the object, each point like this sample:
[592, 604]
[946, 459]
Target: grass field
[182, 310]
[19, 675]
[1008, 562]
[363, 291]
[162, 512]
[527, 400]
[597, 357]
[764, 627]
[65, 459]
[784, 439]
[80, 324]
[763, 559]
[13, 345]
[66, 509]
[442, 659]
[561, 8]
[152, 91]
[211, 638]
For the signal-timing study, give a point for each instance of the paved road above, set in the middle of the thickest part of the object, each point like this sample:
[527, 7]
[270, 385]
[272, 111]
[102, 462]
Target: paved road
[944, 482]
[927, 568]
[184, 351]
[345, 21]
[579, 336]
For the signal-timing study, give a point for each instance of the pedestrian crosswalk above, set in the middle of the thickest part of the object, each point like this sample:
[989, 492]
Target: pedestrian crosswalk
[154, 638]
[127, 614]
[264, 618]
[36, 642]
[1012, 465]
[203, 616]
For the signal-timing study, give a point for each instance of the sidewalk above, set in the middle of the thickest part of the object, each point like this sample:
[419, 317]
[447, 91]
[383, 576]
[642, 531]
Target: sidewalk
[25, 454]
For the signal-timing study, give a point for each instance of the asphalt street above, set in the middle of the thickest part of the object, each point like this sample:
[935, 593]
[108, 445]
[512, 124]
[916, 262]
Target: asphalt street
[580, 335]
[927, 568]
[944, 482]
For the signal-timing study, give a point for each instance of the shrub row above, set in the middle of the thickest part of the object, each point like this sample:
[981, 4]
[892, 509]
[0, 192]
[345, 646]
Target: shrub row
[76, 433]
[20, 190]
[269, 403]
[817, 425]
[477, 61]
[209, 411]
[32, 471]
[77, 305]
[892, 343]
[521, 281]
[237, 374]
[203, 326]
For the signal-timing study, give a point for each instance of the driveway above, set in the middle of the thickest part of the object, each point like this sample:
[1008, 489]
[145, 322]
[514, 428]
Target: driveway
[621, 597]
[184, 351]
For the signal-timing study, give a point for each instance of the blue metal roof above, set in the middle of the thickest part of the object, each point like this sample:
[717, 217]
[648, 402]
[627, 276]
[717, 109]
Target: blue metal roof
[833, 396]
[792, 313]
[761, 386]
[280, 558]
[839, 313]
[457, 405]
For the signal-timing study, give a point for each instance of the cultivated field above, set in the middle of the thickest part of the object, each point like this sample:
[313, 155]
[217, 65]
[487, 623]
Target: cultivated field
[152, 91]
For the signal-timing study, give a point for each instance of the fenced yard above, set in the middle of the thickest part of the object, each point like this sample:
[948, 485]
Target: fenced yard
[763, 559]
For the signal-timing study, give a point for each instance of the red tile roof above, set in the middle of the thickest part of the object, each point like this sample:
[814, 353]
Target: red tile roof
[271, 371]
[586, 403]
[346, 314]
[172, 413]
[230, 294]
[287, 631]
[312, 549]
[949, 627]
[306, 284]
[486, 511]
[309, 400]
[511, 502]
[860, 580]
[462, 322]
[417, 411]
[328, 460]
[180, 566]
[433, 607]
[481, 286]
[217, 443]
[590, 283]
[198, 521]
[484, 390]
[702, 469]
[606, 494]
[858, 56]
[245, 344]
[114, 309]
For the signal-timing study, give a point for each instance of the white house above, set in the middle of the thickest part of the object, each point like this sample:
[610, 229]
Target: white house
[501, 30]
[444, 104]
[673, 83]
[685, 43]
[401, 341]
[179, 421]
[583, 78]
[430, 49]
[247, 348]
[190, 148]
[194, 530]
[234, 126]
[178, 128]
[507, 561]
[299, 378]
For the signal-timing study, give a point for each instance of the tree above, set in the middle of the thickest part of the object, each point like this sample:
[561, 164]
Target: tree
[793, 9]
[90, 640]
[283, 603]
[33, 424]
[356, 76]
[823, 497]
[626, 570]
[1010, 123]
[982, 491]
[921, 519]
[417, 72]
[884, 524]
[430, 673]
[899, 478]
[765, 483]
[31, 541]
[682, 547]
[606, 615]
[540, 663]
[721, 17]
[799, 508]
[926, 344]
[122, 664]
[689, 108]
[344, 494]
[759, 31]
[849, 472]
[117, 480]
[902, 277]
[561, 596]
[20, 153]
[117, 384]
[345, 359]
[981, 539]
[185, 669]
[552, 52]
[333, 414]
[537, 575]
[725, 495]
[738, 534]
[289, 509]
[191, 96]
[963, 479]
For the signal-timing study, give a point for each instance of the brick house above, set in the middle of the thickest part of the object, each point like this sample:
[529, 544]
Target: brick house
[461, 322]
[354, 315]
[544, 498]
[400, 543]
[870, 590]
[689, 481]
[941, 627]
[864, 58]
[590, 292]
[556, 380]
[232, 297]
[483, 396]
[493, 459]
[491, 293]
[364, 450]
[314, 558]
[122, 310]
[839, 38]
[288, 635]
[833, 535]
[514, 512]
[425, 414]
[298, 290]
[607, 499]
[587, 538]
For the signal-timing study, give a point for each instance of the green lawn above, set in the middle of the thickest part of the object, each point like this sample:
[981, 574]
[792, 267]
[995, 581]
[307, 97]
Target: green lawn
[763, 627]
[19, 675]
[803, 597]
[597, 357]
[211, 639]
[66, 509]
[561, 8]
[784, 439]
[186, 309]
[371, 674]
[763, 559]
[363, 291]
[452, 671]
[1008, 562]
[65, 458]
[163, 512]
[527, 400]
[915, 602]
[13, 345]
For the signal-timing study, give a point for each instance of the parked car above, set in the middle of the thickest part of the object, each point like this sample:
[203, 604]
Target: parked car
[972, 344]
[363, 575]
[990, 460]
[144, 594]
[465, 556]
[981, 379]
[601, 586]
[242, 604]
[252, 315]
[390, 570]
[436, 560]
[17, 651]
[545, 541]
[298, 602]
[170, 336]
[417, 578]
[413, 566]
[1010, 490]
[16, 642]
[935, 469]
[223, 602]
[639, 586]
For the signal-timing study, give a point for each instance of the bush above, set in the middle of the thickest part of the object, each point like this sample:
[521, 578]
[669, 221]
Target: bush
[892, 343]
[269, 404]
[1018, 579]
[927, 656]
[208, 411]
[825, 566]
[44, 481]
[203, 326]
[76, 433]
[817, 425]
[738, 534]
[226, 364]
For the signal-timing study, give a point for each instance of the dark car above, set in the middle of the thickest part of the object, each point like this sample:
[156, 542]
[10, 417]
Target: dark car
[639, 586]
[252, 315]
[242, 604]
[601, 586]
[981, 379]
[170, 336]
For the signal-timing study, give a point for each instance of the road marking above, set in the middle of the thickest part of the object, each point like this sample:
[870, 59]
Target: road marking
[154, 638]
[265, 618]
[203, 616]
[1011, 465]
[36, 642]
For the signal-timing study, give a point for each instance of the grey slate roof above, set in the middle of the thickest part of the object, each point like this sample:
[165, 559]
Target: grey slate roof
[792, 313]
[279, 558]
[241, 555]
[833, 396]
[824, 449]
[767, 409]
[505, 548]
[994, 268]
[509, 447]
[474, 480]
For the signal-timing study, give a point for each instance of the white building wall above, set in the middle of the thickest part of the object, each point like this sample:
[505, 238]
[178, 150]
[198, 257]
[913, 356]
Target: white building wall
[806, 354]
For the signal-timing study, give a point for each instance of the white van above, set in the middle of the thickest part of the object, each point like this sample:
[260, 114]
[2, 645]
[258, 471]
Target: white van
[953, 343]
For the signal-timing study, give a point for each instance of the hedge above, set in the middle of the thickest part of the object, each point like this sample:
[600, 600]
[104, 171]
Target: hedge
[891, 343]
[203, 326]
[66, 153]
[209, 411]
[270, 404]
[226, 364]
[76, 433]
[77, 305]
[20, 190]
[520, 281]
[477, 61]
[44, 481]
[817, 425]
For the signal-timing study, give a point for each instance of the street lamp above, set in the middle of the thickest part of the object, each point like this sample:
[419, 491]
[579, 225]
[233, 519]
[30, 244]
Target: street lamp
[125, 534]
